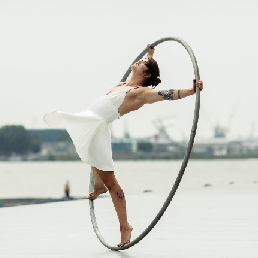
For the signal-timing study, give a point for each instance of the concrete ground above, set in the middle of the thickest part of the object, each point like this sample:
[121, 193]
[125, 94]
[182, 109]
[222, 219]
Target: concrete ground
[207, 222]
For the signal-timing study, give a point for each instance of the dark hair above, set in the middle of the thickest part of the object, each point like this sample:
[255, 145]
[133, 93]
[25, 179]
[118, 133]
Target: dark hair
[153, 70]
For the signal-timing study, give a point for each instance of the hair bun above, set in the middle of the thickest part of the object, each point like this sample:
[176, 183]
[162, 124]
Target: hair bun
[153, 70]
[156, 81]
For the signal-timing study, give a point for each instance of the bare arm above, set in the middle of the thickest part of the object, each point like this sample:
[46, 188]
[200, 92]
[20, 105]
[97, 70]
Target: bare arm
[152, 96]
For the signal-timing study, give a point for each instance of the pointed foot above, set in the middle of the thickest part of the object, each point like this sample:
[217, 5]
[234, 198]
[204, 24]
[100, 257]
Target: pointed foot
[96, 193]
[125, 235]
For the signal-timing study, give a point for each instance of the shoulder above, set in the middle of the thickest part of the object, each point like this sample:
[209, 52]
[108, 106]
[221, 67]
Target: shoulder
[147, 91]
[143, 94]
[120, 84]
[139, 91]
[144, 89]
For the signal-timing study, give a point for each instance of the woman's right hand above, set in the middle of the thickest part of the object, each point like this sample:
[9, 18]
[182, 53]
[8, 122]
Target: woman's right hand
[150, 51]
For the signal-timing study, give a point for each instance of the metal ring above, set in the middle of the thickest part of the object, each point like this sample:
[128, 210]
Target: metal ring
[184, 162]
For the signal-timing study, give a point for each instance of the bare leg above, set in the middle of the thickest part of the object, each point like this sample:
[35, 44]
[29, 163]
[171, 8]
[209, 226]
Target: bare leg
[99, 187]
[118, 199]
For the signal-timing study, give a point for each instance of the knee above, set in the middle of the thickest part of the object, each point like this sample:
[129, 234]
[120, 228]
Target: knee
[115, 188]
[110, 184]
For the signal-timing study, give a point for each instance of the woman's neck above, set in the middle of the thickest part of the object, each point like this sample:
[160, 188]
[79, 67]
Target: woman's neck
[132, 81]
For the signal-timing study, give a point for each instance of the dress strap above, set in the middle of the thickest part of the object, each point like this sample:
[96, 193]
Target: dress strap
[110, 89]
[131, 88]
[125, 89]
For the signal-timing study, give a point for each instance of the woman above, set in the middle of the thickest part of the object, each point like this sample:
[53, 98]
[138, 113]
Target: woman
[90, 132]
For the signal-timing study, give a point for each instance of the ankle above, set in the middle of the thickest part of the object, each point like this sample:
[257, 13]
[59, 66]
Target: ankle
[125, 227]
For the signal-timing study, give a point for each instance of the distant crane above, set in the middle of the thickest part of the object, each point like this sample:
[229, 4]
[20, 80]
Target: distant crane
[222, 131]
[126, 130]
[162, 128]
[251, 136]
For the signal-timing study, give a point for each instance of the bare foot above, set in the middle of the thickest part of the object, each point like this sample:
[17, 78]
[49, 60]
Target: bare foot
[125, 235]
[97, 192]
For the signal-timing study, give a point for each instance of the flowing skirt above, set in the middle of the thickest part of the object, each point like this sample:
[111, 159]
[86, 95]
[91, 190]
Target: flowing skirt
[90, 135]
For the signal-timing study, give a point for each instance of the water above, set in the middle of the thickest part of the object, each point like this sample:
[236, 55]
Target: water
[47, 179]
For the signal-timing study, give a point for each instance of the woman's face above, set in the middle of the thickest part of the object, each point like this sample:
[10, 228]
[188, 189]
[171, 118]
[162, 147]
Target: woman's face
[140, 67]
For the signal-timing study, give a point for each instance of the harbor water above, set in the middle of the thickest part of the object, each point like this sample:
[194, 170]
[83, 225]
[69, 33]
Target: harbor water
[47, 179]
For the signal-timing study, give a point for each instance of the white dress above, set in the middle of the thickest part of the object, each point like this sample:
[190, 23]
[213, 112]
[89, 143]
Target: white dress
[89, 129]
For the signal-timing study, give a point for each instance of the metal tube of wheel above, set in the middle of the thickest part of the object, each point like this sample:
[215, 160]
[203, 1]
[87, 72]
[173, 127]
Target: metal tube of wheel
[184, 162]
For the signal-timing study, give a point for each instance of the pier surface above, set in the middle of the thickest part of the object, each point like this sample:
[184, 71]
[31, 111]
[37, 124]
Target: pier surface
[207, 222]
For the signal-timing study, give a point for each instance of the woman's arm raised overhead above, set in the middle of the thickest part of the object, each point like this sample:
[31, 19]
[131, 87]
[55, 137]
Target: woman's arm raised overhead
[150, 51]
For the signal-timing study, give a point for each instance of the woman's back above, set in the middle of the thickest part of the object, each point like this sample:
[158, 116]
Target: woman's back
[126, 98]
[117, 102]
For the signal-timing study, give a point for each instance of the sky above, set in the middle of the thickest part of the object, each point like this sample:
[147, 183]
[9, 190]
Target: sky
[61, 55]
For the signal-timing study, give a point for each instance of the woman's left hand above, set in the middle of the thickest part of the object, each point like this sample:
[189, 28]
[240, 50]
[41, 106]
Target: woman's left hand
[198, 84]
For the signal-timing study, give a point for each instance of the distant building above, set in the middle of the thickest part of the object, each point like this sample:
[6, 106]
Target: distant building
[57, 145]
[60, 150]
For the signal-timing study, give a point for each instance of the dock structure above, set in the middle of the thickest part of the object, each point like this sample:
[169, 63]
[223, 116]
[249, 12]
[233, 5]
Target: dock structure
[205, 222]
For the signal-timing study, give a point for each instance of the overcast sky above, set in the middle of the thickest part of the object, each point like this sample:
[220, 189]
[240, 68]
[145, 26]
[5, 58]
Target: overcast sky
[61, 55]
